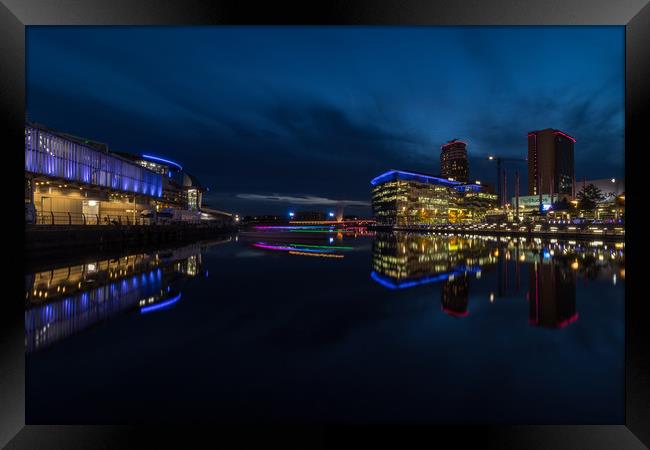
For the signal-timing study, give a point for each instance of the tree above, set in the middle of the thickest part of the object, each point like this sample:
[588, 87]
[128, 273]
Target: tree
[589, 197]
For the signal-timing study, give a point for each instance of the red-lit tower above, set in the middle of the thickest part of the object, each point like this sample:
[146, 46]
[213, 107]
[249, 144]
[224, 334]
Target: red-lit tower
[550, 163]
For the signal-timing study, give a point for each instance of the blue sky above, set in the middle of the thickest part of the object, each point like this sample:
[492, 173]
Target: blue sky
[261, 113]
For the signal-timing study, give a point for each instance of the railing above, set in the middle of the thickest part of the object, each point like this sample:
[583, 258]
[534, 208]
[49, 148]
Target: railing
[592, 230]
[72, 218]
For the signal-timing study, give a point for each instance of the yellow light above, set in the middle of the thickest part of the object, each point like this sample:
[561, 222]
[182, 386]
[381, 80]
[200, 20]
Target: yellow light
[522, 258]
[575, 265]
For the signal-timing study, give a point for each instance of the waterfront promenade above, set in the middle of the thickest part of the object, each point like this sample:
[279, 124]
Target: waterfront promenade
[571, 232]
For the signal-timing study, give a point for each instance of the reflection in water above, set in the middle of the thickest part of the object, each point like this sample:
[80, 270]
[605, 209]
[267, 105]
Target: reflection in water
[455, 295]
[313, 241]
[404, 260]
[64, 301]
[552, 294]
[437, 309]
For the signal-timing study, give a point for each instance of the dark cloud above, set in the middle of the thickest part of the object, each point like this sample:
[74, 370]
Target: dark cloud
[320, 112]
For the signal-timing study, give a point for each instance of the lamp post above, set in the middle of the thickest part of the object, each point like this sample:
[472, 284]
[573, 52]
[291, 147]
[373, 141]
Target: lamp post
[499, 160]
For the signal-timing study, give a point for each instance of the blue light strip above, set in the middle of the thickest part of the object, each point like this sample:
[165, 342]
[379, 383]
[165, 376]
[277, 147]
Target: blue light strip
[469, 187]
[156, 158]
[147, 309]
[385, 281]
[386, 176]
[49, 154]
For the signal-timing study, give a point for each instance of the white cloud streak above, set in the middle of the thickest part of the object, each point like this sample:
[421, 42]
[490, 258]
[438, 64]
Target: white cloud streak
[301, 200]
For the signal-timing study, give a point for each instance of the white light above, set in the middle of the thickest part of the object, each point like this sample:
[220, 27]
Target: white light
[613, 180]
[92, 203]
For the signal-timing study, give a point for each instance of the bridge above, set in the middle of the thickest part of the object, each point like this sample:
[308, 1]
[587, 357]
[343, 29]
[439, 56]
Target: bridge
[335, 223]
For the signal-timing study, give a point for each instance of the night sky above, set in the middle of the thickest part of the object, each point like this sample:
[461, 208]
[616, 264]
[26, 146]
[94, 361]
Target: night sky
[274, 119]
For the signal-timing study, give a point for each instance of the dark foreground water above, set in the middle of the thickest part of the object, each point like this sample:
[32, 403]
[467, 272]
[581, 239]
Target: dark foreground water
[295, 325]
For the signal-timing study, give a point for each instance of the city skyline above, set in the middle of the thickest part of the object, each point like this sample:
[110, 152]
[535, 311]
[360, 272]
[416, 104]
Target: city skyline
[275, 118]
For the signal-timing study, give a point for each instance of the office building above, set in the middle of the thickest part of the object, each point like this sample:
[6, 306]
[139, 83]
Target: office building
[453, 161]
[73, 180]
[550, 163]
[403, 198]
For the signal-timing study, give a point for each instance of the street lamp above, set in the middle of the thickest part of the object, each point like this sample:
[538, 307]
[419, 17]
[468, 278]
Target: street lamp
[499, 160]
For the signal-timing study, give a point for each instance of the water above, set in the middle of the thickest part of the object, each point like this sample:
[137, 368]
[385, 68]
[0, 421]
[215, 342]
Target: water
[291, 325]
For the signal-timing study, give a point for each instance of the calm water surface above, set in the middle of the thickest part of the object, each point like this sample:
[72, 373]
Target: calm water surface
[332, 326]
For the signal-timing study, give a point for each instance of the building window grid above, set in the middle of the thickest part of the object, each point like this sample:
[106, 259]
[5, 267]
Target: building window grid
[54, 156]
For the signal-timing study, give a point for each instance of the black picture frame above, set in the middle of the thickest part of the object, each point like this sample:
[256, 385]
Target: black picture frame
[15, 15]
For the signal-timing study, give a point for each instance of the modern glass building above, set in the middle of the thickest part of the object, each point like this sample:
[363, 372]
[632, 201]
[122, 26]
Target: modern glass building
[179, 188]
[72, 180]
[51, 154]
[408, 198]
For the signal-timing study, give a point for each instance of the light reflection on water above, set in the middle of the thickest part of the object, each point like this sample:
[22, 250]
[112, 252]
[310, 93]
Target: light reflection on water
[272, 293]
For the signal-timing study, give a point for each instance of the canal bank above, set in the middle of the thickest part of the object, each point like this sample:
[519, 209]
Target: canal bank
[560, 234]
[43, 240]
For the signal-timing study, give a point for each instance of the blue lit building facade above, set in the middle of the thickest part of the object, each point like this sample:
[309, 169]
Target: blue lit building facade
[401, 198]
[180, 189]
[55, 156]
[73, 180]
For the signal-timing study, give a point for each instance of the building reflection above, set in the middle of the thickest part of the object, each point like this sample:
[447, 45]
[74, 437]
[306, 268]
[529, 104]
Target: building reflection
[455, 295]
[64, 301]
[403, 260]
[552, 294]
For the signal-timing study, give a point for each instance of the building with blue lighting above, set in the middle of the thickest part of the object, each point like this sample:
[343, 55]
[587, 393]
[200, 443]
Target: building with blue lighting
[73, 180]
[180, 188]
[401, 198]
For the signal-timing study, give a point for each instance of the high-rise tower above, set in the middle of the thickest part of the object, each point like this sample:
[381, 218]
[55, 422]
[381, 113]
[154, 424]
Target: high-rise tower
[453, 160]
[550, 163]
